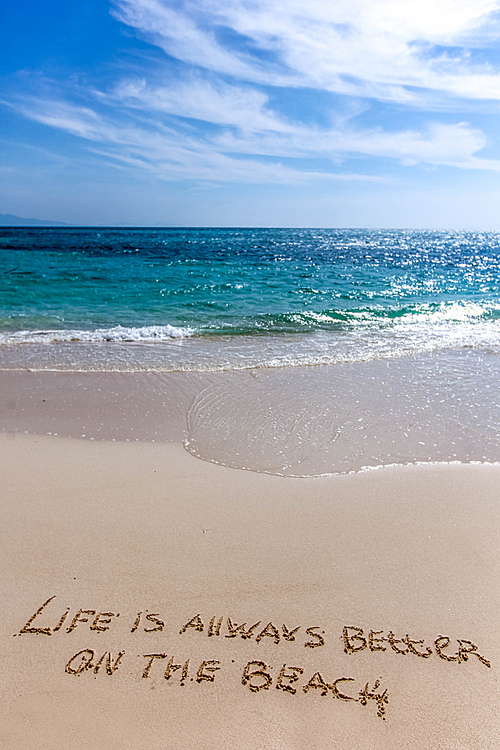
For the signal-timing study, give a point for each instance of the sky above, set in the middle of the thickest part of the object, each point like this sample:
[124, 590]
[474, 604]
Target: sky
[326, 113]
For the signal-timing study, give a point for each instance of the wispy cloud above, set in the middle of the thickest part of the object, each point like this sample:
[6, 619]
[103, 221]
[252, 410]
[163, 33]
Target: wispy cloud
[235, 109]
[374, 48]
[247, 141]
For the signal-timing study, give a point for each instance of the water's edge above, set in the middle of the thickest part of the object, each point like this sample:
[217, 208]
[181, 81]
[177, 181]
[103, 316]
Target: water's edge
[302, 422]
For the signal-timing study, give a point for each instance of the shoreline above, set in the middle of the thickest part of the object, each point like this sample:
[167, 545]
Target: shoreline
[302, 422]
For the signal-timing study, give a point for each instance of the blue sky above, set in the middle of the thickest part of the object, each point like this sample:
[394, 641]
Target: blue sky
[371, 113]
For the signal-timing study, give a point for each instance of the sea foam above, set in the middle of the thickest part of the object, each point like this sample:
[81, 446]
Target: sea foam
[122, 334]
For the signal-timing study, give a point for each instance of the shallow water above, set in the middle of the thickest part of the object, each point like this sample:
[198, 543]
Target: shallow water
[324, 420]
[303, 421]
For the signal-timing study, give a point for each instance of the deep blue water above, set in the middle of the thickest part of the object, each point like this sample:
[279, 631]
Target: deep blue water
[226, 298]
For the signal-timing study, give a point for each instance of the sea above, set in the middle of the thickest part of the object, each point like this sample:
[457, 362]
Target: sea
[341, 332]
[226, 299]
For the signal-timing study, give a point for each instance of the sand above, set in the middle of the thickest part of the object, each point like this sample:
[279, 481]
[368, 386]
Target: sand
[134, 542]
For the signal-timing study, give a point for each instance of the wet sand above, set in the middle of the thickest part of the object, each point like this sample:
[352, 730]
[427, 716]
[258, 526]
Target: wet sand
[300, 421]
[133, 542]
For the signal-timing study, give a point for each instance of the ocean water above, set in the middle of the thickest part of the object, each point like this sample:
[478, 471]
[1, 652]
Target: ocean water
[225, 299]
[326, 351]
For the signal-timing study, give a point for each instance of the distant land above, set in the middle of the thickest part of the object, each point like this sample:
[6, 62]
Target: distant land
[9, 220]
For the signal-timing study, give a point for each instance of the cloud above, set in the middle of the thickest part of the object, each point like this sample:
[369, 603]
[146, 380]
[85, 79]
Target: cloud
[235, 107]
[164, 152]
[250, 143]
[199, 99]
[373, 48]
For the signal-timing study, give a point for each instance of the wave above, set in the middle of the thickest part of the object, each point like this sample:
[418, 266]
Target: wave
[143, 334]
[145, 350]
[363, 317]
[357, 319]
[449, 326]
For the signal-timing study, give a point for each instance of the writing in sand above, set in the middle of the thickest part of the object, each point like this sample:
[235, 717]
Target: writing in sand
[255, 675]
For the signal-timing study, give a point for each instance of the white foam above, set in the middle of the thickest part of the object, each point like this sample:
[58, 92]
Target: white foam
[117, 333]
[147, 348]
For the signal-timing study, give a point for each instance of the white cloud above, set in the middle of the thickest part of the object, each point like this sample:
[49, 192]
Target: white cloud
[240, 150]
[216, 120]
[200, 99]
[360, 47]
[166, 153]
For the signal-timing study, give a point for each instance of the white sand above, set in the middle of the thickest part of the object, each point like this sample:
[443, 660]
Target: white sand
[135, 527]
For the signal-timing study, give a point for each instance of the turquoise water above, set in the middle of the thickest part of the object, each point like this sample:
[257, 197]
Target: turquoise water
[191, 299]
[408, 322]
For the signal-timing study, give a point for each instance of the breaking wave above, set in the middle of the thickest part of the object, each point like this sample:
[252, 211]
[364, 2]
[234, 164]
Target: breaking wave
[120, 334]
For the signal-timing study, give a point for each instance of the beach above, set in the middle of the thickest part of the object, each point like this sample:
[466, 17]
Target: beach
[250, 375]
[249, 489]
[349, 611]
